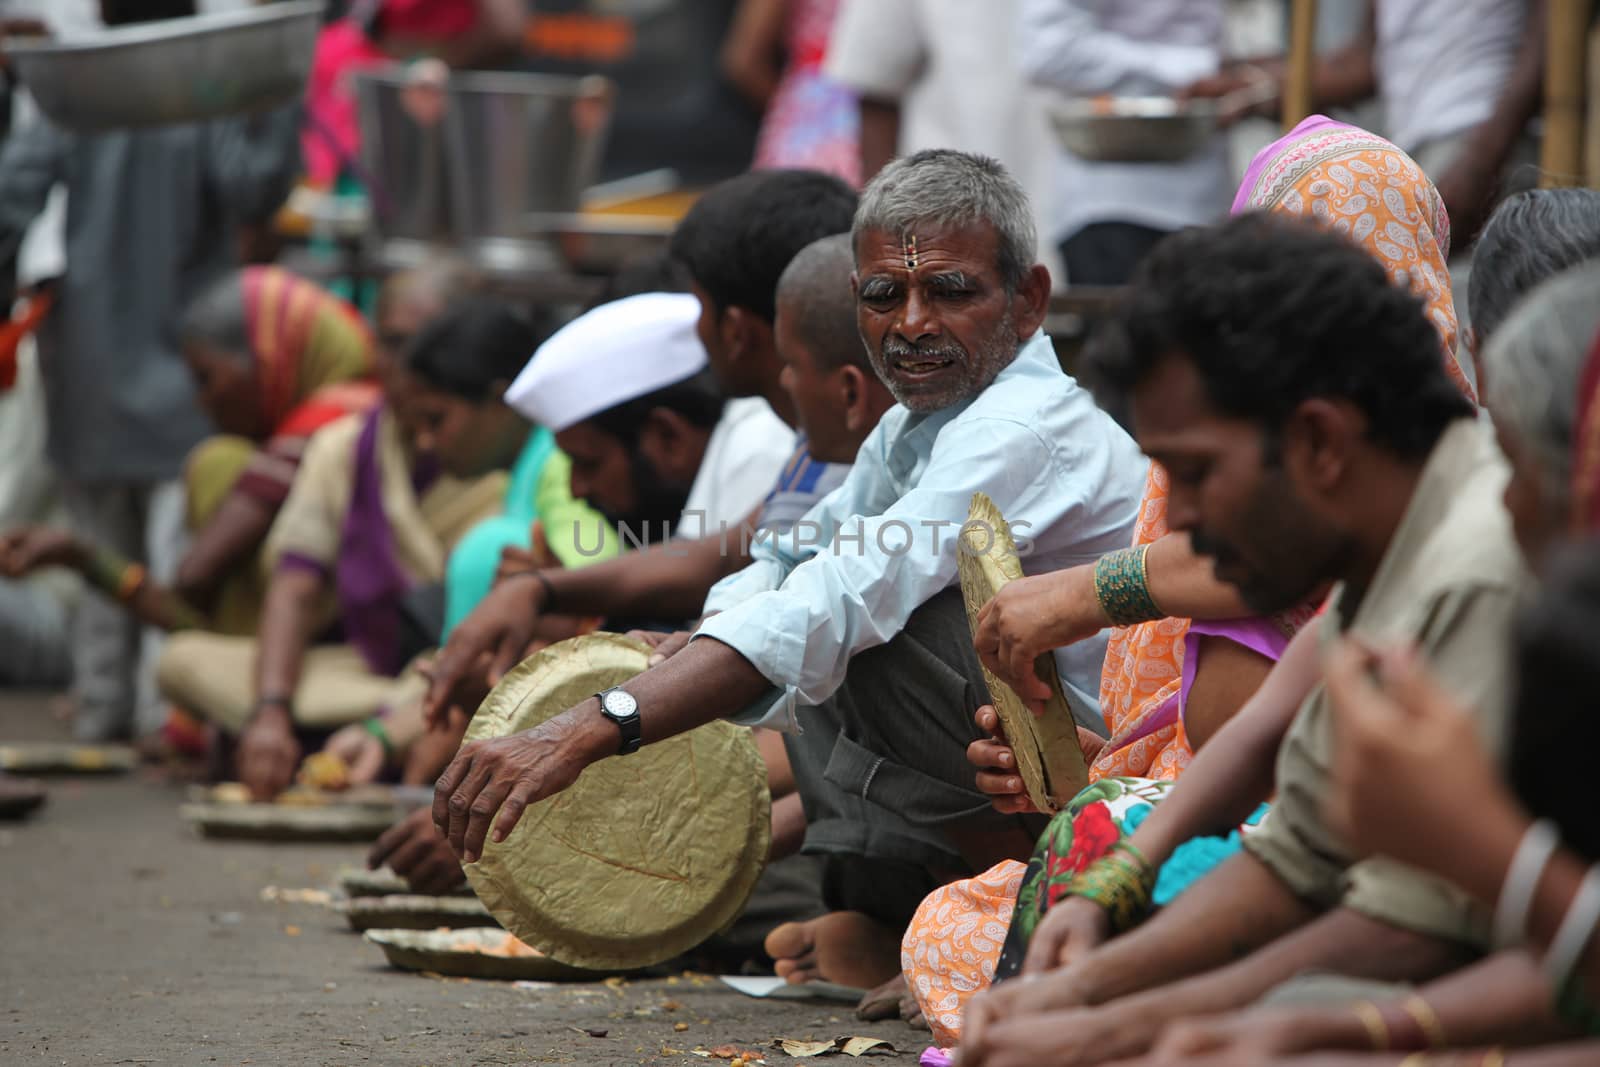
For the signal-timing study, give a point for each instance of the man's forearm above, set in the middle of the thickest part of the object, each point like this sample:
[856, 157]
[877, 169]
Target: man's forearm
[1493, 140]
[880, 135]
[1234, 772]
[706, 681]
[665, 581]
[1342, 942]
[1228, 914]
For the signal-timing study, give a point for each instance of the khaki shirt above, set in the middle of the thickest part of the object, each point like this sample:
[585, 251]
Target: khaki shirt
[1450, 583]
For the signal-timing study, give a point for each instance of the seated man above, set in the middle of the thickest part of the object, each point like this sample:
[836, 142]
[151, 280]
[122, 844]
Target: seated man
[1297, 400]
[838, 399]
[654, 444]
[857, 622]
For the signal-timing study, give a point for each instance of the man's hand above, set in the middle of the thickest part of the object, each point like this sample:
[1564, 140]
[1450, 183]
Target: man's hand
[1241, 91]
[506, 774]
[663, 646]
[1405, 723]
[996, 763]
[998, 777]
[415, 851]
[268, 753]
[487, 644]
[1069, 931]
[1252, 1036]
[25, 550]
[1071, 1038]
[1017, 999]
[1032, 616]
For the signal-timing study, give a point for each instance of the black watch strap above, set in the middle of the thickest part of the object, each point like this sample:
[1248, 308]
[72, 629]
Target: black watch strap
[632, 731]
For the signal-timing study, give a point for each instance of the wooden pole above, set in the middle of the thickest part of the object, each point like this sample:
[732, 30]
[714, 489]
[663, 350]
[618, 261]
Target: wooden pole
[1566, 45]
[1591, 138]
[1297, 82]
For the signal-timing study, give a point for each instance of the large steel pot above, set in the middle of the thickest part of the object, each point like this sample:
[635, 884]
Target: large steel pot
[176, 70]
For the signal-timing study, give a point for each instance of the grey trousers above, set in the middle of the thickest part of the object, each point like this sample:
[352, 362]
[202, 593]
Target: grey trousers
[881, 765]
[114, 658]
[34, 650]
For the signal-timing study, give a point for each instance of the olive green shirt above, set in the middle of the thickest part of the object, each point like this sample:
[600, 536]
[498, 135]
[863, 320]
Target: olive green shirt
[1449, 583]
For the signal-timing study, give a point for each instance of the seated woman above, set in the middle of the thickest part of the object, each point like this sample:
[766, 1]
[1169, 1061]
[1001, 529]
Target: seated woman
[379, 501]
[274, 358]
[1406, 755]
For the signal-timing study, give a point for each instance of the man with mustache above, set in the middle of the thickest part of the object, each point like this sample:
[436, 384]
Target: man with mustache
[850, 628]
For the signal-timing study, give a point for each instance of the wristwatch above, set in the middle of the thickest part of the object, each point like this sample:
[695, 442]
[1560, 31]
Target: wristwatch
[618, 705]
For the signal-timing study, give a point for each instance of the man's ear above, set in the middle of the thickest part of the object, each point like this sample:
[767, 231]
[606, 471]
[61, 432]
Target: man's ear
[1031, 303]
[745, 332]
[667, 440]
[1320, 440]
[852, 387]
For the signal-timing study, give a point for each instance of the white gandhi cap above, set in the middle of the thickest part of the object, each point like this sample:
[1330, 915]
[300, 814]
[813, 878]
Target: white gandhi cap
[616, 353]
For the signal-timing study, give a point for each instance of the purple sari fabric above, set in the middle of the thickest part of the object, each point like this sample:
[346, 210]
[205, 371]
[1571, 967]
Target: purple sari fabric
[368, 579]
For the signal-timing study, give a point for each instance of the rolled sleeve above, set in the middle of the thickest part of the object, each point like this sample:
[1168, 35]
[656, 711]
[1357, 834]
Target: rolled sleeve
[877, 568]
[761, 576]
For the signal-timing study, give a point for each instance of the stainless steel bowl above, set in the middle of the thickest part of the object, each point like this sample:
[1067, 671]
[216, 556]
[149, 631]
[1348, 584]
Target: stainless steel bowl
[178, 70]
[1134, 129]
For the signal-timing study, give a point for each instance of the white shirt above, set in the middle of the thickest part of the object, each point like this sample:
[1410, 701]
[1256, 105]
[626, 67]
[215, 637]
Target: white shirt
[1442, 64]
[1148, 48]
[747, 451]
[952, 66]
[849, 575]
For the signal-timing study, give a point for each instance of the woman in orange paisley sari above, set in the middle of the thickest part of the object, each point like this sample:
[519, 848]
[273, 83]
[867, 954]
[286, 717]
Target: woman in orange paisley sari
[1159, 672]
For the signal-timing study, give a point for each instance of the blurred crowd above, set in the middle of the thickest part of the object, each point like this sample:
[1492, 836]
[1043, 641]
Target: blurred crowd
[1319, 597]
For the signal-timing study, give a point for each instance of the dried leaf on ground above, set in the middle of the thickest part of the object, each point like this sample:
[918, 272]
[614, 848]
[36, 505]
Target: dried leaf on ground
[848, 1046]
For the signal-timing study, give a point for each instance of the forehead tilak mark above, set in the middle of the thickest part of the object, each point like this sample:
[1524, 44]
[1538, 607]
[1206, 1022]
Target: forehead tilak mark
[908, 250]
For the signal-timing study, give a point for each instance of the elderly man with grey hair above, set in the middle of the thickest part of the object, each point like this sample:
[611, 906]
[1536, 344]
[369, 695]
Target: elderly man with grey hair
[851, 629]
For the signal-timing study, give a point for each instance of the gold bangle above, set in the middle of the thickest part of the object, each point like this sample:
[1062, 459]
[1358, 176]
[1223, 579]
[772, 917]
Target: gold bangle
[132, 578]
[1495, 1057]
[1372, 1019]
[1426, 1019]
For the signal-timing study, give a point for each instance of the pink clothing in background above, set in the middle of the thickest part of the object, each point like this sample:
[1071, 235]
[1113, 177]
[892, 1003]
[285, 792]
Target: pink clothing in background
[333, 137]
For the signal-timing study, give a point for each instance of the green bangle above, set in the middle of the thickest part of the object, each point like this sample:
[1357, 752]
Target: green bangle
[1145, 866]
[1122, 586]
[375, 727]
[1120, 886]
[105, 570]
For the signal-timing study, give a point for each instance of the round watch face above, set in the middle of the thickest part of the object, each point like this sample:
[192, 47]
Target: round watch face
[620, 705]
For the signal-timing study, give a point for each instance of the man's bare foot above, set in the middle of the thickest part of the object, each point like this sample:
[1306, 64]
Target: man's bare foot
[843, 947]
